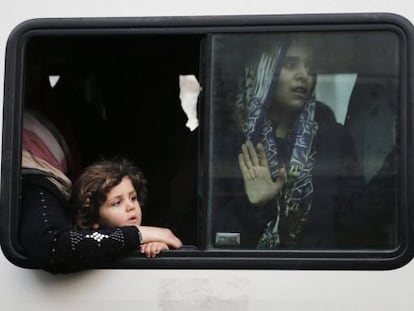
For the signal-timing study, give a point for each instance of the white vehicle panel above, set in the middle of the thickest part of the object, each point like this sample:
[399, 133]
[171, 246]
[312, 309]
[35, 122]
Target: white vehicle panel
[169, 289]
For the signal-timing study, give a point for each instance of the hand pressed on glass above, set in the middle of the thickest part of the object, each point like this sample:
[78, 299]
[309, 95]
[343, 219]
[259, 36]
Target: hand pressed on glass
[260, 188]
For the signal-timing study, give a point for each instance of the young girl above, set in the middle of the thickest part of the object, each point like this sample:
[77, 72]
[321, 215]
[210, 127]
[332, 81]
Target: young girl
[110, 194]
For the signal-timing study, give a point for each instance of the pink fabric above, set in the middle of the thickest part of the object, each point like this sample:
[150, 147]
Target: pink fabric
[33, 144]
[39, 141]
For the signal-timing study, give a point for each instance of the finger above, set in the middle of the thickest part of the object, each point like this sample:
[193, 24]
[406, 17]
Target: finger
[247, 161]
[281, 179]
[252, 153]
[246, 156]
[261, 153]
[174, 242]
[159, 248]
[283, 174]
[149, 251]
[154, 251]
[163, 247]
[177, 243]
[245, 172]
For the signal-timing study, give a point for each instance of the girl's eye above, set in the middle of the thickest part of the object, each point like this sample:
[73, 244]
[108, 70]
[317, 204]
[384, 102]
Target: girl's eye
[134, 198]
[116, 203]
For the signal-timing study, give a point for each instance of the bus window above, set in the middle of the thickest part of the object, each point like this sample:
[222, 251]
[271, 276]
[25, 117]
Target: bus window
[337, 151]
[119, 96]
[301, 153]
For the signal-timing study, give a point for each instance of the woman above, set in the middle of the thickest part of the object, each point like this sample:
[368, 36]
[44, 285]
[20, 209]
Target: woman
[297, 160]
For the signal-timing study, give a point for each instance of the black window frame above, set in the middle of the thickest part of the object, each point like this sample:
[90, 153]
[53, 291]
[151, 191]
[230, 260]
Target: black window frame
[189, 258]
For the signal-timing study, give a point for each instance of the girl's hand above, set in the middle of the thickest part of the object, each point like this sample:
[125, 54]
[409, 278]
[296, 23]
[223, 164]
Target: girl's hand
[158, 234]
[258, 183]
[152, 249]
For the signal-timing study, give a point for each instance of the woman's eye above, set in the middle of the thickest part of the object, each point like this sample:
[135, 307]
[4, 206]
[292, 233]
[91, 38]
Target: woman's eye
[310, 69]
[289, 65]
[134, 198]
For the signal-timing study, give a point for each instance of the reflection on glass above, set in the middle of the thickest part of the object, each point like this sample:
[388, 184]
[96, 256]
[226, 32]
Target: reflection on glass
[303, 147]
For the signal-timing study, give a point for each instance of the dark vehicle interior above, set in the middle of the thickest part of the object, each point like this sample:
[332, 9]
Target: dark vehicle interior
[120, 96]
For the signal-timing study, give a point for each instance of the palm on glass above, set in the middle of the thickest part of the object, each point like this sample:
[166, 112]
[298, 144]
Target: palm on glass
[258, 183]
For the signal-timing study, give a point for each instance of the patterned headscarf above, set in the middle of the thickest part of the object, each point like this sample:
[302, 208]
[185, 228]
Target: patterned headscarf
[295, 201]
[45, 151]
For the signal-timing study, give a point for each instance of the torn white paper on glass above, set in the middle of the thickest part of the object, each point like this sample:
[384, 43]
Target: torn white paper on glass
[189, 91]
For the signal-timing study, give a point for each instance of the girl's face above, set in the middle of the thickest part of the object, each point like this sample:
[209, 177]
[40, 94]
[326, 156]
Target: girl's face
[121, 207]
[296, 79]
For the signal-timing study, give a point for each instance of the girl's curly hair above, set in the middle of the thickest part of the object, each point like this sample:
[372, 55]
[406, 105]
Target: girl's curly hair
[91, 188]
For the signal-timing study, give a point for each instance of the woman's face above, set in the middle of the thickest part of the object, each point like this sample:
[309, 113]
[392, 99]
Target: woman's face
[121, 207]
[296, 79]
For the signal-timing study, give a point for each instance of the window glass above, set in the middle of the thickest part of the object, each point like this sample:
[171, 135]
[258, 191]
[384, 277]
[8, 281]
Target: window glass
[119, 95]
[302, 136]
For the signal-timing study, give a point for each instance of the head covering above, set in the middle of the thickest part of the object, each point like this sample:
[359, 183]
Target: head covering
[254, 99]
[45, 151]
